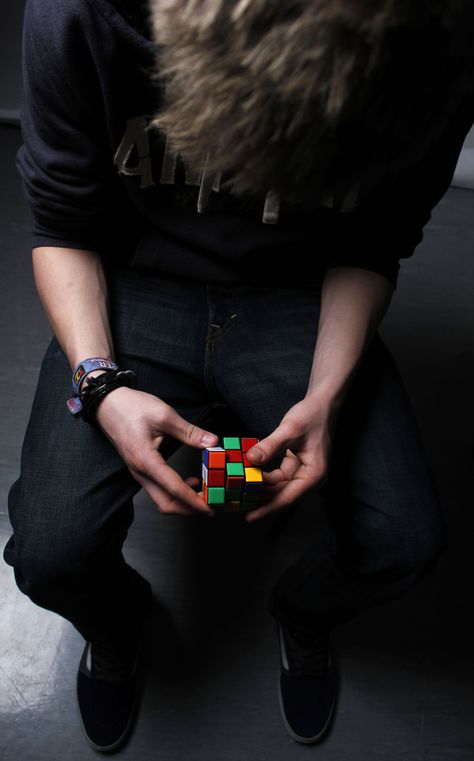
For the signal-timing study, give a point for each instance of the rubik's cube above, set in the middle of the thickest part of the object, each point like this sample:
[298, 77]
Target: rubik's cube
[229, 480]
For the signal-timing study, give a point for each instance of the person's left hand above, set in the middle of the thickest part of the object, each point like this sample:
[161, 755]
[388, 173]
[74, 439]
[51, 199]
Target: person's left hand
[304, 439]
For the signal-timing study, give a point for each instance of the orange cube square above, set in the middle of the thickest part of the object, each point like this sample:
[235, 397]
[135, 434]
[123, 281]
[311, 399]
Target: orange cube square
[216, 459]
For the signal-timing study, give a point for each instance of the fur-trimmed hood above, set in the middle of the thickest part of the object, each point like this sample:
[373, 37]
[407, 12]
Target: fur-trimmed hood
[310, 97]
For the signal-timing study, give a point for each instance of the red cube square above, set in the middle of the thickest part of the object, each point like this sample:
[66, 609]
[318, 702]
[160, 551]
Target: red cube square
[248, 444]
[216, 477]
[234, 455]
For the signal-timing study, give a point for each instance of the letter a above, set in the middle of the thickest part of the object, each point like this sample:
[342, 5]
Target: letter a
[135, 136]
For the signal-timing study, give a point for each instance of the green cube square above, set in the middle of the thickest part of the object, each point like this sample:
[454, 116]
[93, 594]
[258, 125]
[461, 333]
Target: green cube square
[235, 469]
[231, 442]
[216, 495]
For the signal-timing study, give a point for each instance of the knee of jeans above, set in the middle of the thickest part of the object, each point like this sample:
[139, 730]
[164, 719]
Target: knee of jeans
[49, 556]
[396, 543]
[422, 552]
[414, 551]
[43, 571]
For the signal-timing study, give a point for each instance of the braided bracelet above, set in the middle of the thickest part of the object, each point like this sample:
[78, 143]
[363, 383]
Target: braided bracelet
[99, 387]
[85, 367]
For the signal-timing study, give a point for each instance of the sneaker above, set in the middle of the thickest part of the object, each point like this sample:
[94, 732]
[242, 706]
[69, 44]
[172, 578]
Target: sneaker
[107, 693]
[308, 684]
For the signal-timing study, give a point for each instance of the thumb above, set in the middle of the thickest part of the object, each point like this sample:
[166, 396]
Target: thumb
[274, 445]
[189, 433]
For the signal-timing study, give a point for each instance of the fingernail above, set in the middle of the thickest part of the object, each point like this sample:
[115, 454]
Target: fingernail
[207, 439]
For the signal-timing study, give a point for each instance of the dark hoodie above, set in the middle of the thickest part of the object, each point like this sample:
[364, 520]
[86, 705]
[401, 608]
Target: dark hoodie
[97, 179]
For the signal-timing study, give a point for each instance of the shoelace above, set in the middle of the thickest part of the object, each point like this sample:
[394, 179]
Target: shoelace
[307, 655]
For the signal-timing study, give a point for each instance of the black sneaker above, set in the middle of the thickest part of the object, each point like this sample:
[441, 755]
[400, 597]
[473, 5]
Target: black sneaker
[107, 695]
[308, 684]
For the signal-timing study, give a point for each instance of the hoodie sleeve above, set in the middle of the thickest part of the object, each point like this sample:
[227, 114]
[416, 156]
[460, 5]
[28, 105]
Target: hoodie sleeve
[65, 159]
[388, 224]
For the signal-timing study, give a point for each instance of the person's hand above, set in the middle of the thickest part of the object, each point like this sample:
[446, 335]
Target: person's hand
[303, 439]
[136, 423]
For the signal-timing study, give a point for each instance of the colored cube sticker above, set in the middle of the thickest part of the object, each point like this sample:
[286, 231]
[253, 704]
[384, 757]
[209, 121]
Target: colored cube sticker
[253, 475]
[231, 442]
[213, 477]
[235, 469]
[248, 444]
[234, 455]
[216, 457]
[228, 478]
[216, 495]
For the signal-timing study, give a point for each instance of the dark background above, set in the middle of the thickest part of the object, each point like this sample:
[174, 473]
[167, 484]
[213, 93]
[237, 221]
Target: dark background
[407, 667]
[11, 15]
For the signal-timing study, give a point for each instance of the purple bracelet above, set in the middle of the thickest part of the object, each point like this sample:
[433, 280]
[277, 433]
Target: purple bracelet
[84, 368]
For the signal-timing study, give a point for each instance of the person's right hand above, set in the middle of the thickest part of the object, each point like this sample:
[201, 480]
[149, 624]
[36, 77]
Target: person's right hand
[136, 423]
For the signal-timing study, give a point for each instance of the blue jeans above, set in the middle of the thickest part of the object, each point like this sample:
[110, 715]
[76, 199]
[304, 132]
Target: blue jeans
[201, 348]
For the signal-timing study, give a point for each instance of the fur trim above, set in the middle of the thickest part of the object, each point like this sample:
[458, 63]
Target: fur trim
[309, 97]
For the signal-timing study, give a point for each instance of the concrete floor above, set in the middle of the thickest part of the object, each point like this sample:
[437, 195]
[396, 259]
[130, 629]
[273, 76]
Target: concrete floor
[407, 667]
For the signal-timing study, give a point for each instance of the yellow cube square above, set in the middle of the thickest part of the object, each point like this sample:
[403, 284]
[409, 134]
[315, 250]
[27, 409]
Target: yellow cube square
[253, 475]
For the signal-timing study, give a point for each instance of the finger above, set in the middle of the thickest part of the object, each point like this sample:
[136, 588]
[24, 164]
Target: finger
[188, 433]
[273, 445]
[267, 493]
[273, 477]
[255, 515]
[165, 477]
[289, 494]
[285, 472]
[196, 483]
[162, 499]
[285, 496]
[181, 490]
